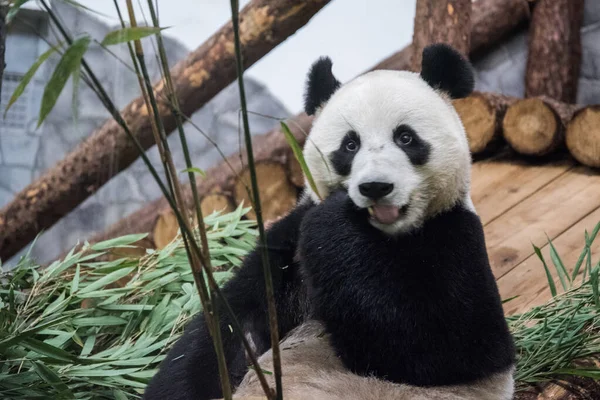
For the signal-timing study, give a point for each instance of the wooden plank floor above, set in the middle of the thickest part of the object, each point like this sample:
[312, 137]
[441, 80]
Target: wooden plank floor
[521, 204]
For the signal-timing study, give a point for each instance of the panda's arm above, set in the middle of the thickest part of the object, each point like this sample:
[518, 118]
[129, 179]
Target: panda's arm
[190, 369]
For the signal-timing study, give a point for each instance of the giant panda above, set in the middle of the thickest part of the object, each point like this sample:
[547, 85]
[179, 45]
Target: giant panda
[383, 288]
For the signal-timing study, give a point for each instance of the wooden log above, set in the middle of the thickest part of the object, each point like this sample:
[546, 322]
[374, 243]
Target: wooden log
[481, 115]
[536, 126]
[216, 202]
[583, 136]
[165, 229]
[197, 79]
[554, 50]
[277, 193]
[3, 10]
[441, 22]
[273, 144]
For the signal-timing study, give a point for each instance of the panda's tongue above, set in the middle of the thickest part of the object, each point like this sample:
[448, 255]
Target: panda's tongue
[386, 214]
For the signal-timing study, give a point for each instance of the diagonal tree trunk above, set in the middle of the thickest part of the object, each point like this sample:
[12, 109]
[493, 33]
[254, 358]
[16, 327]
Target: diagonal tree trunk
[197, 79]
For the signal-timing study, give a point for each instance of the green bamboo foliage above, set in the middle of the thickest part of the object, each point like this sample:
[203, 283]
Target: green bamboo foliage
[52, 347]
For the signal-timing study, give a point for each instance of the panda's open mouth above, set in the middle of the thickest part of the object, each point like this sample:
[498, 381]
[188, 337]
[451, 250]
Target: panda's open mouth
[387, 214]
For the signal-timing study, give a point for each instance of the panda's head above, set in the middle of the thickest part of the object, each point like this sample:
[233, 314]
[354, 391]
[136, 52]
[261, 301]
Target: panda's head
[392, 139]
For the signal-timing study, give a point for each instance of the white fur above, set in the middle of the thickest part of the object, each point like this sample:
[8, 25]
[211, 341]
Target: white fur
[312, 371]
[373, 105]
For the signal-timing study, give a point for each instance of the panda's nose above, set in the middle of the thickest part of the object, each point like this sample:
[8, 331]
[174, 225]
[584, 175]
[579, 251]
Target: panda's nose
[375, 190]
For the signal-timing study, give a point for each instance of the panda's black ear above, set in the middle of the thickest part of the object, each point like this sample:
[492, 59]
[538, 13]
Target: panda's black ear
[446, 69]
[320, 85]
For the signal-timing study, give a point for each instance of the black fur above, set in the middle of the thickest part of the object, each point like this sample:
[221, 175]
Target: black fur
[417, 150]
[190, 371]
[446, 69]
[422, 308]
[320, 85]
[342, 158]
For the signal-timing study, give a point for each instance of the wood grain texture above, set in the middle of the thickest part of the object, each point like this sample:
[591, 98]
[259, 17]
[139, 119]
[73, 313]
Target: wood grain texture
[499, 185]
[583, 136]
[550, 211]
[554, 56]
[481, 115]
[441, 22]
[536, 126]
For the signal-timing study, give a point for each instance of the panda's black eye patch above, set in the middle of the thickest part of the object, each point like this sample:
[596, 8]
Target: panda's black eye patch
[342, 158]
[415, 148]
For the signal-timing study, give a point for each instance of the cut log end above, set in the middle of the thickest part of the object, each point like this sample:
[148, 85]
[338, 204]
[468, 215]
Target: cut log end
[583, 136]
[165, 229]
[480, 121]
[216, 202]
[532, 128]
[277, 193]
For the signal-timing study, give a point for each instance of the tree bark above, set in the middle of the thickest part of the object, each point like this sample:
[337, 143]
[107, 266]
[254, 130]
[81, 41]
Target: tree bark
[554, 56]
[536, 126]
[481, 115]
[3, 29]
[197, 79]
[583, 136]
[441, 22]
[272, 144]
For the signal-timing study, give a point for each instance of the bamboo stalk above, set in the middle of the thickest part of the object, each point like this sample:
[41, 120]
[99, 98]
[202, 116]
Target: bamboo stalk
[257, 206]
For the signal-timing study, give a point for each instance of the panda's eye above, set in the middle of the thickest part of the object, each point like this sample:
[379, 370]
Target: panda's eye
[351, 146]
[404, 139]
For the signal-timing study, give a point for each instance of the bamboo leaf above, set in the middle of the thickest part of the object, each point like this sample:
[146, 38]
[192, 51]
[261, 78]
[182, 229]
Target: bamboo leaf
[20, 89]
[44, 349]
[50, 377]
[106, 280]
[108, 320]
[122, 241]
[195, 170]
[289, 137]
[129, 34]
[548, 274]
[75, 281]
[595, 288]
[563, 274]
[70, 60]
